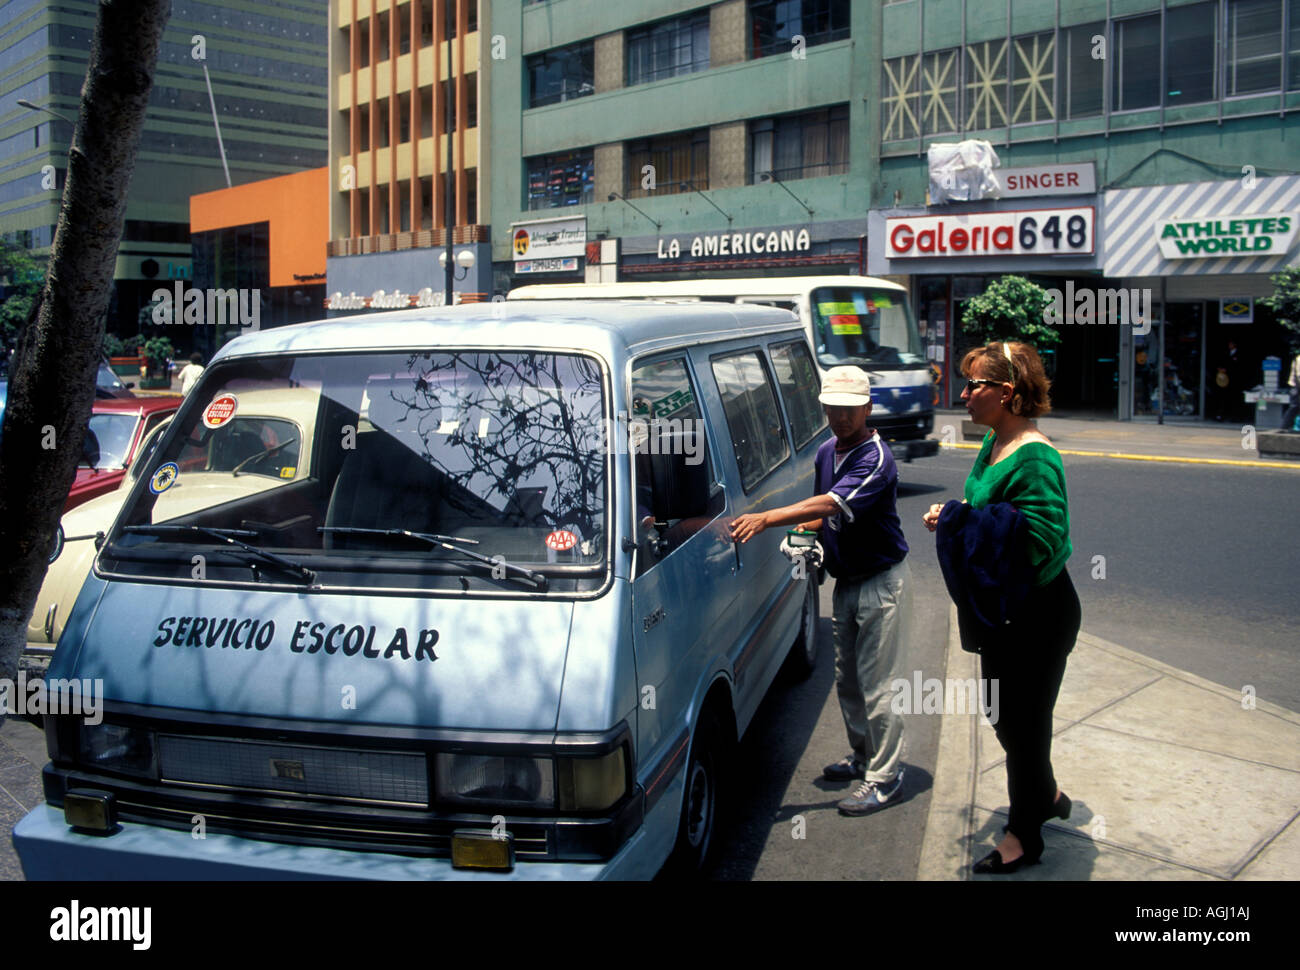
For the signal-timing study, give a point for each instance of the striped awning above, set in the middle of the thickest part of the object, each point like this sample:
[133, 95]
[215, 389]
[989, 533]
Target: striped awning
[1130, 216]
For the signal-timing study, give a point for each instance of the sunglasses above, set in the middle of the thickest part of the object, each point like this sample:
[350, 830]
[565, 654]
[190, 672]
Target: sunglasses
[972, 383]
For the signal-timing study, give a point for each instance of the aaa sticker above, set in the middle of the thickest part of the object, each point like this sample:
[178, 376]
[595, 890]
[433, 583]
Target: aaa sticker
[561, 540]
[219, 412]
[164, 478]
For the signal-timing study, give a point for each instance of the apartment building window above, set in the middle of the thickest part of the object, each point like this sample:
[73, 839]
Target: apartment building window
[673, 160]
[1033, 78]
[1255, 46]
[668, 48]
[1135, 54]
[775, 23]
[987, 64]
[939, 87]
[471, 96]
[900, 102]
[1082, 93]
[561, 74]
[1191, 48]
[554, 181]
[363, 43]
[800, 146]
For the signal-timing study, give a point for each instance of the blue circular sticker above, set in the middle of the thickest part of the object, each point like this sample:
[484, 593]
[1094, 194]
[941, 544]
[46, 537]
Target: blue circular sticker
[164, 478]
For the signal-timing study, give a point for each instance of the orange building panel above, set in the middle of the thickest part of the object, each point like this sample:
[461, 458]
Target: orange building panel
[297, 208]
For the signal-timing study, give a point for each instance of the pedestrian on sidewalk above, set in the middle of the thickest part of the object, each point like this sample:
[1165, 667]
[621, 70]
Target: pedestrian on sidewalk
[191, 372]
[1006, 390]
[1292, 412]
[854, 509]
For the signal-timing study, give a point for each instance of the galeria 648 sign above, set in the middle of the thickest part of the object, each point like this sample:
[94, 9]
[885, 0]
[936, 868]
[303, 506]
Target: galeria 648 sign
[1032, 232]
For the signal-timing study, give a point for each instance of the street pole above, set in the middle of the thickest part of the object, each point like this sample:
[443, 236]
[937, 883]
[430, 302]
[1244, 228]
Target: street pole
[449, 194]
[1160, 356]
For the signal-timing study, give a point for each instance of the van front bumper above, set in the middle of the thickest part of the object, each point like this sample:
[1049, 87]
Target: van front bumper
[49, 849]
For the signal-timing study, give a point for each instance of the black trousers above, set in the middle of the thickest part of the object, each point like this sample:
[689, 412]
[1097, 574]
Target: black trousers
[1027, 660]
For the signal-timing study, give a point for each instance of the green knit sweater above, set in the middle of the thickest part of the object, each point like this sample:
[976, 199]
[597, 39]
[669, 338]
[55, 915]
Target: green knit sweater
[1033, 480]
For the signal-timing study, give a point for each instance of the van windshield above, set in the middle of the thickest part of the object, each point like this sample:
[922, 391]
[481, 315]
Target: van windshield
[860, 325]
[346, 464]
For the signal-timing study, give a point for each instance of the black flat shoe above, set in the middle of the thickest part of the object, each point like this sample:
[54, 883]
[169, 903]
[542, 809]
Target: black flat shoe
[992, 864]
[1061, 807]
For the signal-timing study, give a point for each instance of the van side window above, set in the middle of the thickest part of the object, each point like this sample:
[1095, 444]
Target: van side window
[749, 401]
[797, 377]
[675, 494]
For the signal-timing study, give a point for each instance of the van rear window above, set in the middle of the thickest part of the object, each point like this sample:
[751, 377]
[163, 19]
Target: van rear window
[749, 402]
[797, 377]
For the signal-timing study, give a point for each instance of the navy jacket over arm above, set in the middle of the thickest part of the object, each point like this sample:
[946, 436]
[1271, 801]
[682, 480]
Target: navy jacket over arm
[982, 556]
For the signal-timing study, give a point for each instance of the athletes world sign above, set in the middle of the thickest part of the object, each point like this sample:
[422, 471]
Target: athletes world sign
[1200, 237]
[1024, 232]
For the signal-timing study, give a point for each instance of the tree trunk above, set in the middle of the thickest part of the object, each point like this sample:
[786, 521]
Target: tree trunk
[52, 381]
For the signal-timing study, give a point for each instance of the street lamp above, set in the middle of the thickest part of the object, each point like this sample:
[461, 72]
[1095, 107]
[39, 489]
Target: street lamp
[24, 103]
[464, 259]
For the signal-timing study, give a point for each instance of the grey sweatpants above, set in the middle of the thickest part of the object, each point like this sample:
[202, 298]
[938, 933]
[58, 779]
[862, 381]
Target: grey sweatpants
[869, 621]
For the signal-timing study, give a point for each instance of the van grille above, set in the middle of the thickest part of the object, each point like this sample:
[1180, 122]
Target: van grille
[389, 777]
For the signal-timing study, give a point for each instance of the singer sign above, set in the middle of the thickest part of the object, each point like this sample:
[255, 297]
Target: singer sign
[1026, 232]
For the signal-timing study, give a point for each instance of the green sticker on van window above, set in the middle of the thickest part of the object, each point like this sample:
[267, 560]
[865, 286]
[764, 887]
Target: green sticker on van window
[835, 309]
[881, 300]
[847, 323]
[671, 404]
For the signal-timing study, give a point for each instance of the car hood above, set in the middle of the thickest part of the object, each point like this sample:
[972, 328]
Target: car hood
[419, 662]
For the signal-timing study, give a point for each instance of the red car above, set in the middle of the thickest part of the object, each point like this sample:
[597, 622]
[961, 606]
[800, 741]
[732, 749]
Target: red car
[117, 427]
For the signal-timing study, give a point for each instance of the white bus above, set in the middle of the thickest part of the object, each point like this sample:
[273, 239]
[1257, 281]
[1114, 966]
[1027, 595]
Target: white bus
[849, 319]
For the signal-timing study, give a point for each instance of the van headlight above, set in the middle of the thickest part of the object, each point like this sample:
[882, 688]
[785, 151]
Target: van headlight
[565, 783]
[478, 778]
[115, 747]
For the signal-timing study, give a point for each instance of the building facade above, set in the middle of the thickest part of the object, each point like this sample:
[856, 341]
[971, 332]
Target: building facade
[267, 69]
[1172, 112]
[392, 67]
[664, 139]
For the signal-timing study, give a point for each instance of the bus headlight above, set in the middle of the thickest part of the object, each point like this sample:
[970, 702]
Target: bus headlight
[114, 747]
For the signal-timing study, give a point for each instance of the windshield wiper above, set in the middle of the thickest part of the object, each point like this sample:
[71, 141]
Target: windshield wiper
[228, 535]
[446, 542]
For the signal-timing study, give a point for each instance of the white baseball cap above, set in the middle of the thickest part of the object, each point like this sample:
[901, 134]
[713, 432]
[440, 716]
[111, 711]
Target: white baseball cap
[846, 386]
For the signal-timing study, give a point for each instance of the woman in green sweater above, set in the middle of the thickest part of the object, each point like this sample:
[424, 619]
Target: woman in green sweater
[1006, 390]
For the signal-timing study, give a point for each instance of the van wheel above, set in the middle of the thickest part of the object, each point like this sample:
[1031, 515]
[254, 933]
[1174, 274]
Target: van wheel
[803, 655]
[698, 823]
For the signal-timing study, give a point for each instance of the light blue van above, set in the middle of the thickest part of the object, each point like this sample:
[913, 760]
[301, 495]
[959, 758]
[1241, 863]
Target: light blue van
[462, 603]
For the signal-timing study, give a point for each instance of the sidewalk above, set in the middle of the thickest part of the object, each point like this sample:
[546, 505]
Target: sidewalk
[1171, 778]
[1177, 438]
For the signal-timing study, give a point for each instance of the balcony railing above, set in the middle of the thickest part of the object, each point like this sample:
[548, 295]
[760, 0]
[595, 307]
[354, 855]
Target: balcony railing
[420, 239]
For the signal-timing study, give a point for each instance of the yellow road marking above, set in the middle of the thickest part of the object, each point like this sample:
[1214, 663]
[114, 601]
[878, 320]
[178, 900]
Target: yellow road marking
[1129, 457]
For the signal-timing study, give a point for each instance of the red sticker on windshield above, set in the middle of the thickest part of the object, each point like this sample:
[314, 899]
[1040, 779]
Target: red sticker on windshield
[560, 540]
[220, 411]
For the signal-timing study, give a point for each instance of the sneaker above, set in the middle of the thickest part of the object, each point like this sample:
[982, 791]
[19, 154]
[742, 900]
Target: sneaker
[871, 796]
[845, 769]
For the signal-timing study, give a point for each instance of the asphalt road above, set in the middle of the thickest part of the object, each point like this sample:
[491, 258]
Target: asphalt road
[1200, 567]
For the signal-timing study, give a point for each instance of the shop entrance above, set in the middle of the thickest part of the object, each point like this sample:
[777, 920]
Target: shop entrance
[1184, 331]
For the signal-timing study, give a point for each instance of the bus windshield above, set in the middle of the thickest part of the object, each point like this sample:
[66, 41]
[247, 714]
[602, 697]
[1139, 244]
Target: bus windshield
[860, 325]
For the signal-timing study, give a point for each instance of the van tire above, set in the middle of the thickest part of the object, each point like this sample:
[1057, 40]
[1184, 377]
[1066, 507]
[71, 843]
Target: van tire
[802, 660]
[697, 827]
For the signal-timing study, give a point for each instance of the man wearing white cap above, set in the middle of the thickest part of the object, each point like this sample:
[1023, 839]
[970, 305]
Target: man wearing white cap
[855, 512]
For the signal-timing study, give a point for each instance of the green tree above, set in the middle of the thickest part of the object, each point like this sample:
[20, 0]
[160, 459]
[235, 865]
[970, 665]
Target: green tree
[21, 279]
[1010, 308]
[1285, 301]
